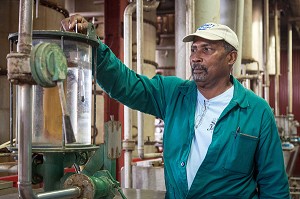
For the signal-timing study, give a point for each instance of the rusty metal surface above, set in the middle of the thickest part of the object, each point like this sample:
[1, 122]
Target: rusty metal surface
[18, 67]
[84, 183]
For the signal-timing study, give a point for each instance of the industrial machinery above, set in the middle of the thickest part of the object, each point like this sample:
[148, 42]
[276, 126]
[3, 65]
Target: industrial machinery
[287, 127]
[53, 111]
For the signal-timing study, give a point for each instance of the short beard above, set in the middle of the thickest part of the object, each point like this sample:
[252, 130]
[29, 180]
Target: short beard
[199, 77]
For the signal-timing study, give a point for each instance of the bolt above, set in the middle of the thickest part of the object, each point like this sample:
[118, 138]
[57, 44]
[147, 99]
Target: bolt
[70, 181]
[85, 182]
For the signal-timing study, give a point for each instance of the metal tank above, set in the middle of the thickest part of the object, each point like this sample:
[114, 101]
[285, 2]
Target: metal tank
[50, 13]
[47, 122]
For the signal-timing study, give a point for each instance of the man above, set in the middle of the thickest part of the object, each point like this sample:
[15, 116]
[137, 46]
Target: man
[220, 139]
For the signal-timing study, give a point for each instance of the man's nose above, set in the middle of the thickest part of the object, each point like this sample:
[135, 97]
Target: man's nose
[195, 58]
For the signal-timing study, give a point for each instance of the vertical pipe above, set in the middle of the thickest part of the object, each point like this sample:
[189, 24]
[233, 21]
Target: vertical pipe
[25, 26]
[70, 5]
[266, 47]
[24, 142]
[277, 59]
[11, 115]
[290, 68]
[180, 32]
[11, 105]
[201, 11]
[247, 34]
[140, 61]
[25, 103]
[189, 28]
[206, 11]
[239, 31]
[127, 112]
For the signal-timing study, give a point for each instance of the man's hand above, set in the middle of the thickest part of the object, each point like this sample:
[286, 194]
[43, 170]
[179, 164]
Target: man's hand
[69, 24]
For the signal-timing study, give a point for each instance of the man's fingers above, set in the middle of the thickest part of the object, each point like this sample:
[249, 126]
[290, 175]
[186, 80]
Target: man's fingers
[65, 24]
[69, 24]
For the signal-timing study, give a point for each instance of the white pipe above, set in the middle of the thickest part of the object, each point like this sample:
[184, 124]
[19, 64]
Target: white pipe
[239, 31]
[266, 47]
[129, 10]
[180, 32]
[277, 60]
[127, 112]
[70, 6]
[140, 62]
[290, 68]
[189, 28]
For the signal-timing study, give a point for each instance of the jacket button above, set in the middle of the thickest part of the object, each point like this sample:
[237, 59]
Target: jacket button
[182, 164]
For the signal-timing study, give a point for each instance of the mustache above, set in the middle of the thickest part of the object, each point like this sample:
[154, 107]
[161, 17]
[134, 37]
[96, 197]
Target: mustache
[198, 67]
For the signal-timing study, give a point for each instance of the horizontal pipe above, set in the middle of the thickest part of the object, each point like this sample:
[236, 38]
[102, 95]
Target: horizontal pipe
[89, 14]
[73, 192]
[152, 155]
[9, 167]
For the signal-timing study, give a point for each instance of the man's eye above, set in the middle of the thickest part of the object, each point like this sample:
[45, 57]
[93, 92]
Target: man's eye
[206, 49]
[193, 50]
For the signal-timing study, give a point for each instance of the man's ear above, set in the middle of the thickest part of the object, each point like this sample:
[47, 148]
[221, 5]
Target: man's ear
[232, 56]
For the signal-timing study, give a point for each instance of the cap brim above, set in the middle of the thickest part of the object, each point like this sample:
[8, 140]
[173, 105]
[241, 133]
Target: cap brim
[204, 35]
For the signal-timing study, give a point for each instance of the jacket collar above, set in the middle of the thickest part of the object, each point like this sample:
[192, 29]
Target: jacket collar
[239, 93]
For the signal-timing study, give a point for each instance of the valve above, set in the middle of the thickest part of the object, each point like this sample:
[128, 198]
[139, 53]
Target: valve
[48, 64]
[99, 186]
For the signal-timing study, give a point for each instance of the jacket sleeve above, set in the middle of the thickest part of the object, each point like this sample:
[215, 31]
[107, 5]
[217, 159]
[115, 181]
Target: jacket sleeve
[272, 180]
[133, 90]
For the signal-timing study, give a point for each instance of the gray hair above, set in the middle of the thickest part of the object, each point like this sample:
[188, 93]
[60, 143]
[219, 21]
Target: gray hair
[228, 48]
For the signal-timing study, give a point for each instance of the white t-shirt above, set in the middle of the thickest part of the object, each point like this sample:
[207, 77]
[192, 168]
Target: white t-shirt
[206, 116]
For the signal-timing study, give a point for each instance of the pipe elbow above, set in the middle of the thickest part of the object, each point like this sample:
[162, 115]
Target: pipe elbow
[25, 191]
[130, 9]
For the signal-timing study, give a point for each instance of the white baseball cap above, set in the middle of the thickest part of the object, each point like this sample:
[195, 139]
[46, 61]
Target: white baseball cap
[213, 31]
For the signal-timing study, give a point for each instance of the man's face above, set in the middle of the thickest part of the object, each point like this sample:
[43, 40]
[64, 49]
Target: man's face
[209, 62]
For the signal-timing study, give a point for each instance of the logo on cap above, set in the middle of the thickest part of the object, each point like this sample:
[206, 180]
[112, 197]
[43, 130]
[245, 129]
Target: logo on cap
[206, 26]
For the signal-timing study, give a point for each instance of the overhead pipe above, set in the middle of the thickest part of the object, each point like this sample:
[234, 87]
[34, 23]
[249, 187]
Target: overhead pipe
[266, 51]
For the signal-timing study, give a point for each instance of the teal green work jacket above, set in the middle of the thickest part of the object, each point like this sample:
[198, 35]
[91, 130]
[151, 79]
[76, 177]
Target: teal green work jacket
[244, 159]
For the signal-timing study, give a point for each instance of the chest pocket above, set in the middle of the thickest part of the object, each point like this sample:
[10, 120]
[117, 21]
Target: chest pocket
[240, 157]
